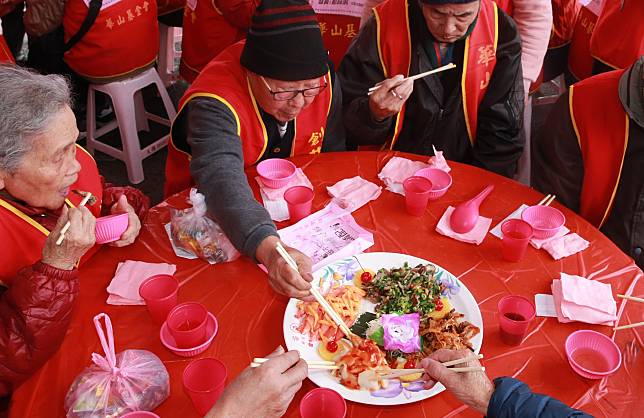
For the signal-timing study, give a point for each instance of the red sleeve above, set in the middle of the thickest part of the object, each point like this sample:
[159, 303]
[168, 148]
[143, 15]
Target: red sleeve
[237, 12]
[34, 313]
[135, 197]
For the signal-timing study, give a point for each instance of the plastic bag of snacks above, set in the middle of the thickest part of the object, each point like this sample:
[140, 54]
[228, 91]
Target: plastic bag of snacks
[193, 231]
[133, 380]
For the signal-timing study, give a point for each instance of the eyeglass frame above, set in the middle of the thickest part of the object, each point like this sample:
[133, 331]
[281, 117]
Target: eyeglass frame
[297, 92]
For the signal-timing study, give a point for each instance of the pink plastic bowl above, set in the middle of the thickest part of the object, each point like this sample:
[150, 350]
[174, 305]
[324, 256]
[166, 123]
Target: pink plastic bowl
[544, 220]
[275, 172]
[441, 181]
[168, 341]
[140, 414]
[592, 355]
[110, 228]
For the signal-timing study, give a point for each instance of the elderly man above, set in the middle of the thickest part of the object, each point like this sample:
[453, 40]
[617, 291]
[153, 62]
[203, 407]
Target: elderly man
[473, 112]
[592, 153]
[42, 175]
[272, 96]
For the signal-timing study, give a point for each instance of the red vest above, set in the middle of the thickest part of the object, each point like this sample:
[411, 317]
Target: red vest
[5, 53]
[564, 16]
[123, 39]
[580, 62]
[618, 38]
[506, 5]
[601, 125]
[394, 47]
[27, 237]
[206, 33]
[337, 33]
[225, 79]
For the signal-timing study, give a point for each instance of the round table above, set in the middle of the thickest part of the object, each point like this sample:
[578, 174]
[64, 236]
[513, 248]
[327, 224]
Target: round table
[250, 313]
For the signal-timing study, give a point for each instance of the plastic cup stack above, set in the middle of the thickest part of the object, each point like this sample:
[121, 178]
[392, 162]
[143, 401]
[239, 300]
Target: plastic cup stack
[160, 295]
[187, 324]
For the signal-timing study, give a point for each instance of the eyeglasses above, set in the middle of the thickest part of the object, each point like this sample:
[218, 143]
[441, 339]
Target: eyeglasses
[292, 94]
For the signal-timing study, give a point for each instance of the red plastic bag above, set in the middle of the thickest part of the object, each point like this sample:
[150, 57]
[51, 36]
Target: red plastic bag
[133, 380]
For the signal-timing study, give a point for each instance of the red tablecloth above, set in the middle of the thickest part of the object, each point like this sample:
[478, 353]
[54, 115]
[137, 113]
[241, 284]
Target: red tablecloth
[250, 313]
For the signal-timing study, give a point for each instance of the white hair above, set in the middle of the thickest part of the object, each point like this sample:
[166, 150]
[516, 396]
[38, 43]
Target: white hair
[28, 102]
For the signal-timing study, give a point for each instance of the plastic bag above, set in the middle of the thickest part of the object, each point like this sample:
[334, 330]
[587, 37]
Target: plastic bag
[133, 380]
[194, 232]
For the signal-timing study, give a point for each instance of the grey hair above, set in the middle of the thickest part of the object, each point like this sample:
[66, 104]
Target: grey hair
[28, 102]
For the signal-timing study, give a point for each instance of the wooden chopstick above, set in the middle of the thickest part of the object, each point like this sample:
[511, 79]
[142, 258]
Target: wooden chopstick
[316, 362]
[549, 201]
[311, 366]
[635, 325]
[316, 294]
[404, 372]
[633, 298]
[446, 364]
[417, 76]
[542, 201]
[63, 231]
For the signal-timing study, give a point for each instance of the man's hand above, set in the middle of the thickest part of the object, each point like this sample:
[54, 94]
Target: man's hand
[472, 388]
[390, 96]
[78, 239]
[282, 278]
[265, 391]
[134, 224]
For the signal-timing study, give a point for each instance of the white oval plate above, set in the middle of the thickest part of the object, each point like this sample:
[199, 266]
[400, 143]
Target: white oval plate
[342, 272]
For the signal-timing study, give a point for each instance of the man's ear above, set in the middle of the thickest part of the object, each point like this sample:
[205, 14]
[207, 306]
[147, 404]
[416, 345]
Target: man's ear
[3, 175]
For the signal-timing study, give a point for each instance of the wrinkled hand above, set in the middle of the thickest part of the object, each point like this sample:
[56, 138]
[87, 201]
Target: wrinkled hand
[264, 391]
[390, 96]
[78, 239]
[472, 388]
[282, 278]
[134, 224]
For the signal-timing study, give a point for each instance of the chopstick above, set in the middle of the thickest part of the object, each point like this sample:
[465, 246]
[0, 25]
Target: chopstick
[311, 366]
[547, 200]
[417, 76]
[635, 325]
[316, 294]
[63, 231]
[310, 362]
[403, 372]
[633, 298]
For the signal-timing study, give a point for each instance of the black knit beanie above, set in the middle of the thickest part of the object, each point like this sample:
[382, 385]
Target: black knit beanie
[284, 42]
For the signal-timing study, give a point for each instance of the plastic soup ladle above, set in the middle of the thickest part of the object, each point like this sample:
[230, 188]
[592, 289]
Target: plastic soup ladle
[466, 214]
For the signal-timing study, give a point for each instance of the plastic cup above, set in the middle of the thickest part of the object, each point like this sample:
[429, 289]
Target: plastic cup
[299, 200]
[187, 324]
[160, 295]
[140, 414]
[516, 236]
[515, 315]
[204, 381]
[417, 191]
[323, 403]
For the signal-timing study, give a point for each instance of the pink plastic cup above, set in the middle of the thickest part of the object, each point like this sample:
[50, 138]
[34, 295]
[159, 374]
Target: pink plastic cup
[140, 414]
[516, 236]
[417, 191]
[299, 200]
[187, 324]
[323, 403]
[160, 295]
[515, 315]
[204, 381]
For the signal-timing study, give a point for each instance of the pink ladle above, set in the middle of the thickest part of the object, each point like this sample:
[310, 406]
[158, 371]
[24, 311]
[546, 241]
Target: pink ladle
[466, 214]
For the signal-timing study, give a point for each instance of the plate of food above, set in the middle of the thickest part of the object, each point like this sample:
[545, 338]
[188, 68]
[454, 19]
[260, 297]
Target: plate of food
[400, 307]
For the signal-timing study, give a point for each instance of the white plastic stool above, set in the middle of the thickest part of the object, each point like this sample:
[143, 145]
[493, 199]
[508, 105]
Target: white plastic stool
[131, 117]
[169, 38]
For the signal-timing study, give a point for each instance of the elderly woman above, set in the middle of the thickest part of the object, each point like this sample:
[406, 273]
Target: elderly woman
[43, 175]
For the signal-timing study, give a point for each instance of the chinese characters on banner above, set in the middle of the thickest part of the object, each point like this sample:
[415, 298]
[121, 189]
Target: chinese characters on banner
[129, 16]
[338, 7]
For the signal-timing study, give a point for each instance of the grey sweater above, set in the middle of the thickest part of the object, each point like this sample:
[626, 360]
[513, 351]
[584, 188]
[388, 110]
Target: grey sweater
[217, 165]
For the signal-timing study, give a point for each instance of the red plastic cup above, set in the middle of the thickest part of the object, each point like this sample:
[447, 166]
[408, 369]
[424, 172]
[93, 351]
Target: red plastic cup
[140, 414]
[515, 315]
[204, 381]
[299, 200]
[516, 236]
[160, 295]
[323, 403]
[417, 191]
[187, 324]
